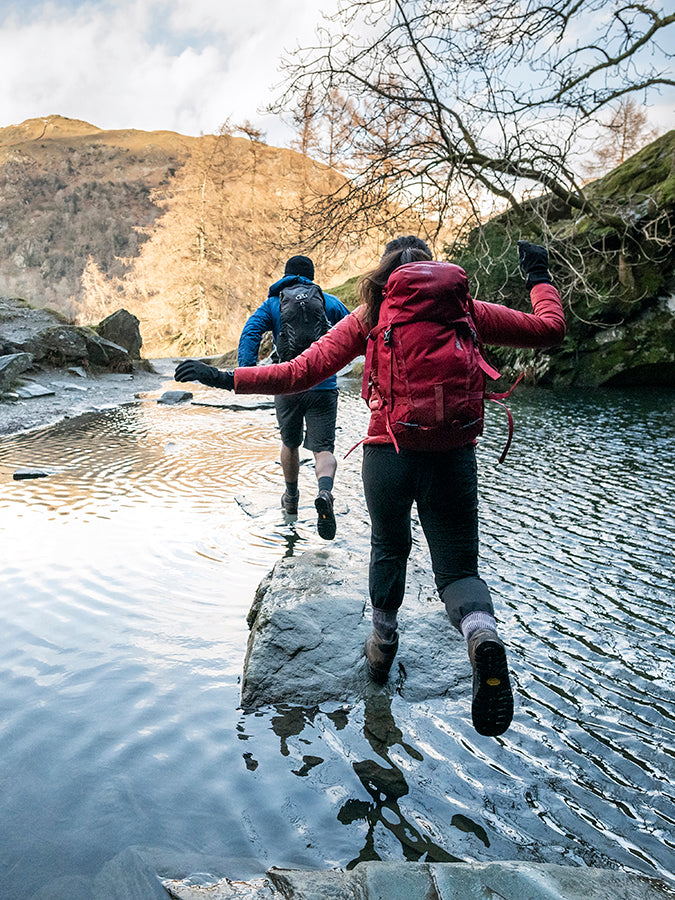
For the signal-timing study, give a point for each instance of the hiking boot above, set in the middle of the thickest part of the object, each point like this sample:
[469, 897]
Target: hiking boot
[492, 705]
[379, 657]
[289, 504]
[325, 523]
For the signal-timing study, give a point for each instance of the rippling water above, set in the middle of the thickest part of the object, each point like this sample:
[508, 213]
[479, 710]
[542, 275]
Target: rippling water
[127, 575]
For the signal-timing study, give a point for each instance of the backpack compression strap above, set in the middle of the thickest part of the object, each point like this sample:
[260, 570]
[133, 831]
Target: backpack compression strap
[497, 398]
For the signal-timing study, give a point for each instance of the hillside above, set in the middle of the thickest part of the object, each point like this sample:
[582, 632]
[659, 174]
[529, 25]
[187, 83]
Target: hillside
[186, 233]
[618, 288]
[69, 190]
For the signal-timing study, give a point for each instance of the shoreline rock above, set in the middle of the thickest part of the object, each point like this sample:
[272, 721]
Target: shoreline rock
[142, 874]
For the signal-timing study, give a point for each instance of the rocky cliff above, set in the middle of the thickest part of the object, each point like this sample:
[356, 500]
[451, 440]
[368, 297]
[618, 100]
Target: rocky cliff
[616, 272]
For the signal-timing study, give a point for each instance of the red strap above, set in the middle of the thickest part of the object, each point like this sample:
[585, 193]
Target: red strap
[438, 392]
[506, 393]
[510, 438]
[487, 368]
[389, 431]
[353, 448]
[367, 366]
[495, 399]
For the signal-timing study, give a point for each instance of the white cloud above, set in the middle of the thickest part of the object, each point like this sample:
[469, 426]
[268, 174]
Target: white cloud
[182, 65]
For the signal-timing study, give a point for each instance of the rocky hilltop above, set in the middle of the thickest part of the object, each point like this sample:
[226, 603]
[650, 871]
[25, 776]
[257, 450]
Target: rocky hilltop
[70, 191]
[186, 233]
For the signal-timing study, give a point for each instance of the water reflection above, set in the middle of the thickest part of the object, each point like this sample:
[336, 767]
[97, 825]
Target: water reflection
[126, 581]
[386, 786]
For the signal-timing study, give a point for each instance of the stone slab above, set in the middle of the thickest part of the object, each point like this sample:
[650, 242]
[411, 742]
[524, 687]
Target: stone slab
[309, 622]
[432, 881]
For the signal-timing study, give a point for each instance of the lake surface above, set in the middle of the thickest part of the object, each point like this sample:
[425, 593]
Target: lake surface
[126, 579]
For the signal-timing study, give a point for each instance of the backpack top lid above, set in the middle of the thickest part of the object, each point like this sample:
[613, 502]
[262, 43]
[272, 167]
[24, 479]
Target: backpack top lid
[426, 290]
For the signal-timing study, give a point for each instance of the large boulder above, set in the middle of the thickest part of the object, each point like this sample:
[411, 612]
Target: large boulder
[122, 328]
[58, 345]
[11, 366]
[51, 340]
[309, 622]
[104, 352]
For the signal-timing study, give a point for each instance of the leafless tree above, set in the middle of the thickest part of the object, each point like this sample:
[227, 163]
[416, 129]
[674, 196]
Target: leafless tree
[456, 103]
[622, 134]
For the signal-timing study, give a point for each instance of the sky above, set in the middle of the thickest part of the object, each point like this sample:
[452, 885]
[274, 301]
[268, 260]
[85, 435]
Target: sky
[180, 65]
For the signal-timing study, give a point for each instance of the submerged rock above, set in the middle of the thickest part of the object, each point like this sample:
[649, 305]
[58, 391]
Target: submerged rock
[26, 474]
[145, 874]
[441, 881]
[449, 881]
[171, 398]
[309, 622]
[244, 402]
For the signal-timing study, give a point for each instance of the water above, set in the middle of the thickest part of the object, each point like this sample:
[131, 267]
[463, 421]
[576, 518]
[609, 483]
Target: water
[127, 576]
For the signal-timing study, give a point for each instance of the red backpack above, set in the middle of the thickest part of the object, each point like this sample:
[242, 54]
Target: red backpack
[424, 369]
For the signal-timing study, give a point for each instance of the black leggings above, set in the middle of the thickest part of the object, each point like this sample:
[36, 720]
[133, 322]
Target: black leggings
[444, 486]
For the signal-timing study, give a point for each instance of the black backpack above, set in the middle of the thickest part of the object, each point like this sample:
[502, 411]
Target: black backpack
[302, 308]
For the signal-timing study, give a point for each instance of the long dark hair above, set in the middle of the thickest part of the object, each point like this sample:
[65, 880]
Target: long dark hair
[397, 253]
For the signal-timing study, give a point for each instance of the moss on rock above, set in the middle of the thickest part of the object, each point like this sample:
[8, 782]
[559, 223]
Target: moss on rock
[621, 314]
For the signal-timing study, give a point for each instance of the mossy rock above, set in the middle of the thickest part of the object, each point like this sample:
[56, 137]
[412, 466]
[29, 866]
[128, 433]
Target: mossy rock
[346, 292]
[620, 329]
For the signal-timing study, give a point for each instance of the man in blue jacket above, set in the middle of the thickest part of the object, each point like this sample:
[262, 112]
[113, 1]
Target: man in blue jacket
[313, 411]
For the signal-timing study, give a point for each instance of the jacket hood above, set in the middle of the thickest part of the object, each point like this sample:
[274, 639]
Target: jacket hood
[287, 281]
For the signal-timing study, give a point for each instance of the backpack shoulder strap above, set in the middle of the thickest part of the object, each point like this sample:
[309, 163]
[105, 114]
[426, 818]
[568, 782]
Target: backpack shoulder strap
[368, 364]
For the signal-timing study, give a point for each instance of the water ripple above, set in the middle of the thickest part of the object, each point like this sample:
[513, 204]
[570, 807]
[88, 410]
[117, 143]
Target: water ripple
[128, 575]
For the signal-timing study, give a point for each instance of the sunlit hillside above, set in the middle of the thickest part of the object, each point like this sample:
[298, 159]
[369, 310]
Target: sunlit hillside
[187, 233]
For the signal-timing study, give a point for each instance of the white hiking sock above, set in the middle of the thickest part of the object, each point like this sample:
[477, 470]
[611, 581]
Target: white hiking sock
[475, 620]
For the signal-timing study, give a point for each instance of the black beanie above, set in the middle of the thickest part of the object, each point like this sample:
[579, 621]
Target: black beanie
[300, 265]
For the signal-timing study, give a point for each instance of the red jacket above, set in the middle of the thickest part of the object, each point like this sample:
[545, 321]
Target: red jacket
[498, 325]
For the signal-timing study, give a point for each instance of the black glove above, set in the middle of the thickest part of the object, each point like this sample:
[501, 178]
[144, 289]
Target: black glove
[193, 370]
[533, 261]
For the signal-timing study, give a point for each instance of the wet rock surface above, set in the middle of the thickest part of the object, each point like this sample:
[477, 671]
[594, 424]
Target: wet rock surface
[309, 622]
[140, 874]
[46, 396]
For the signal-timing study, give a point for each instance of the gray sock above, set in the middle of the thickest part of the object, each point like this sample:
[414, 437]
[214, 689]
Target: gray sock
[385, 624]
[475, 620]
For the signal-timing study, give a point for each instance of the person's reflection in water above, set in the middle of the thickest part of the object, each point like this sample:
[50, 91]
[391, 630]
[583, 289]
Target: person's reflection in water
[291, 537]
[290, 721]
[386, 785]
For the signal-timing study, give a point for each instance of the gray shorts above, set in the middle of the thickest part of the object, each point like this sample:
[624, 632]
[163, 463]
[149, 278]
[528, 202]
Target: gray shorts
[313, 412]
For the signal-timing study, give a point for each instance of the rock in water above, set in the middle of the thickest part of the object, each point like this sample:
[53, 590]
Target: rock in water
[171, 398]
[309, 622]
[25, 474]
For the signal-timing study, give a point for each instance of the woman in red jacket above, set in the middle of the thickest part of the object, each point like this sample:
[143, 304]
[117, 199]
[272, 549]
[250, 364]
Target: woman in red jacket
[440, 480]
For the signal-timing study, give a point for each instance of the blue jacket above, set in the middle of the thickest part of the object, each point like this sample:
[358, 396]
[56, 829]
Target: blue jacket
[267, 318]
